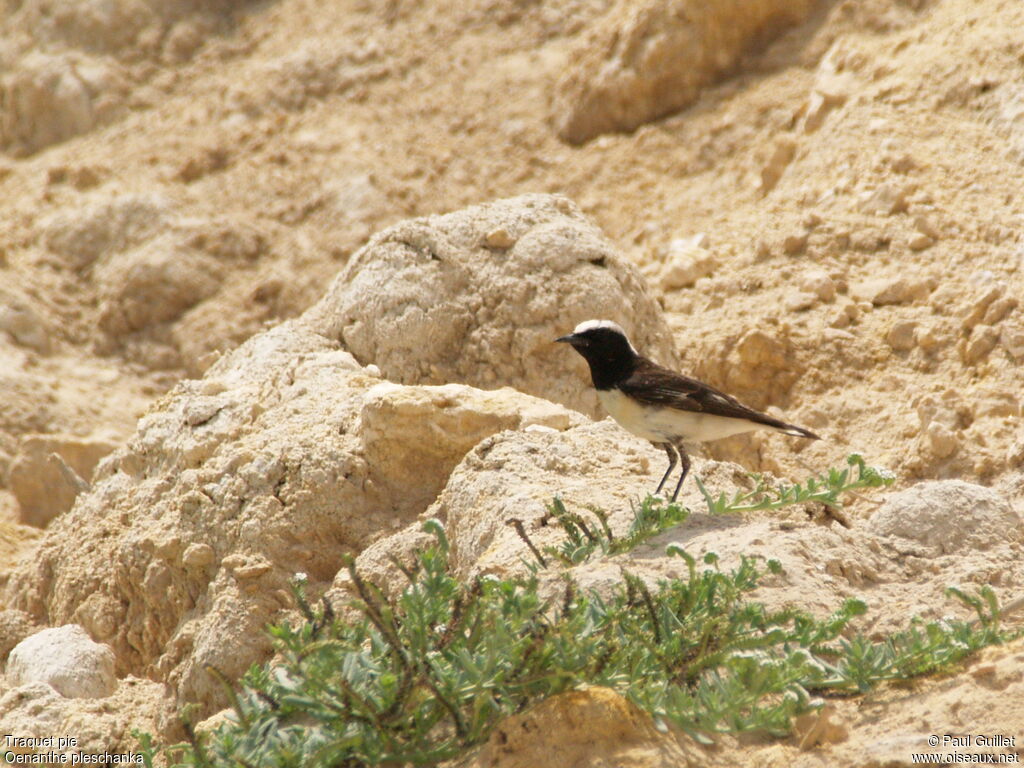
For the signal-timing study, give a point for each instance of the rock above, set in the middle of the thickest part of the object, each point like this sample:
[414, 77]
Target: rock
[421, 433]
[901, 336]
[98, 726]
[794, 244]
[65, 658]
[819, 283]
[1012, 339]
[48, 98]
[799, 301]
[429, 303]
[23, 324]
[284, 458]
[43, 490]
[884, 200]
[771, 172]
[974, 312]
[982, 340]
[925, 226]
[947, 517]
[998, 310]
[919, 242]
[942, 441]
[592, 726]
[104, 226]
[891, 290]
[687, 262]
[152, 284]
[646, 60]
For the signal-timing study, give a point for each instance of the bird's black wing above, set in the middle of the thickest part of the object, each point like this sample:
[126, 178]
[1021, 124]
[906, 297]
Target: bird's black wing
[652, 384]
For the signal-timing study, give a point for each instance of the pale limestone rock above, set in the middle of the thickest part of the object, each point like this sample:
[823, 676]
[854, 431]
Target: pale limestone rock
[818, 282]
[48, 98]
[901, 335]
[1012, 339]
[942, 440]
[982, 340]
[687, 261]
[41, 484]
[428, 302]
[98, 725]
[771, 172]
[103, 226]
[23, 324]
[645, 60]
[284, 457]
[65, 658]
[881, 291]
[884, 200]
[946, 516]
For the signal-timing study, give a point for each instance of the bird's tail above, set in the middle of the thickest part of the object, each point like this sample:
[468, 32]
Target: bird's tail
[795, 431]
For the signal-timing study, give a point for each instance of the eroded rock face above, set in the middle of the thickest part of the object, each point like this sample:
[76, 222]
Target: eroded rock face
[287, 455]
[478, 296]
[646, 60]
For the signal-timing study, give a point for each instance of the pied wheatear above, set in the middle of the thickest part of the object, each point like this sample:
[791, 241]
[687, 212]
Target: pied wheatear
[660, 405]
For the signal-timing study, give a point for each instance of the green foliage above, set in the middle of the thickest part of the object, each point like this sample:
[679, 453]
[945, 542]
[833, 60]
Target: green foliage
[422, 677]
[419, 678]
[823, 489]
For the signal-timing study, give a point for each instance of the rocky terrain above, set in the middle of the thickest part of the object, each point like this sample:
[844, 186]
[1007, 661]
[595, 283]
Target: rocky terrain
[278, 279]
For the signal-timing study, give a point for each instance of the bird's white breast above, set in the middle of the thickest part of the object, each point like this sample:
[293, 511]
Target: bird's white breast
[667, 424]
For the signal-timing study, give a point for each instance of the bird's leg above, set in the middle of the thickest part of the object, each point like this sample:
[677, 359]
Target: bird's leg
[685, 461]
[671, 451]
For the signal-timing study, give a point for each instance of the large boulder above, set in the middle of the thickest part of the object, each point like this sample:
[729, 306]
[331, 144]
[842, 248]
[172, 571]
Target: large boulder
[646, 60]
[66, 659]
[478, 296]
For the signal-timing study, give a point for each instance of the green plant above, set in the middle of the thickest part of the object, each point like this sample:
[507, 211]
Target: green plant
[421, 677]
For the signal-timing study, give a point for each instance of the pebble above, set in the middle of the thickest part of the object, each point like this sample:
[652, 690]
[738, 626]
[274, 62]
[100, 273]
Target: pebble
[919, 242]
[794, 244]
[999, 309]
[818, 282]
[499, 238]
[891, 290]
[901, 336]
[687, 263]
[772, 171]
[983, 340]
[942, 441]
[800, 301]
[884, 200]
[1012, 339]
[926, 226]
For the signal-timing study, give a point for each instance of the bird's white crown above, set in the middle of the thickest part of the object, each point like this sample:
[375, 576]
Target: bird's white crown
[589, 325]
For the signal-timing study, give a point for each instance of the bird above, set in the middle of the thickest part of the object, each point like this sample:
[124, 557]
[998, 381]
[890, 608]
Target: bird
[660, 405]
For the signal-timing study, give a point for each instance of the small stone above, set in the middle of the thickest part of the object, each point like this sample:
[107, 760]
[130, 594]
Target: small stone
[1012, 339]
[499, 238]
[800, 301]
[919, 242]
[198, 556]
[901, 335]
[24, 326]
[929, 338]
[926, 226]
[818, 282]
[975, 312]
[772, 171]
[884, 200]
[794, 244]
[891, 290]
[999, 309]
[687, 263]
[941, 440]
[982, 340]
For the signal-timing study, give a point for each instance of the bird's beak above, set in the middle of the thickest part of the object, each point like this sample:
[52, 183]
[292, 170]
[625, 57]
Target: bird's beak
[567, 339]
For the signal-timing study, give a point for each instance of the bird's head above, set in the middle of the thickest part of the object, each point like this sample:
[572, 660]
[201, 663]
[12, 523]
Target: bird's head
[600, 341]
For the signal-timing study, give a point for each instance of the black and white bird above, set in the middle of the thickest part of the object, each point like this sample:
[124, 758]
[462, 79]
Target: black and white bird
[660, 405]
